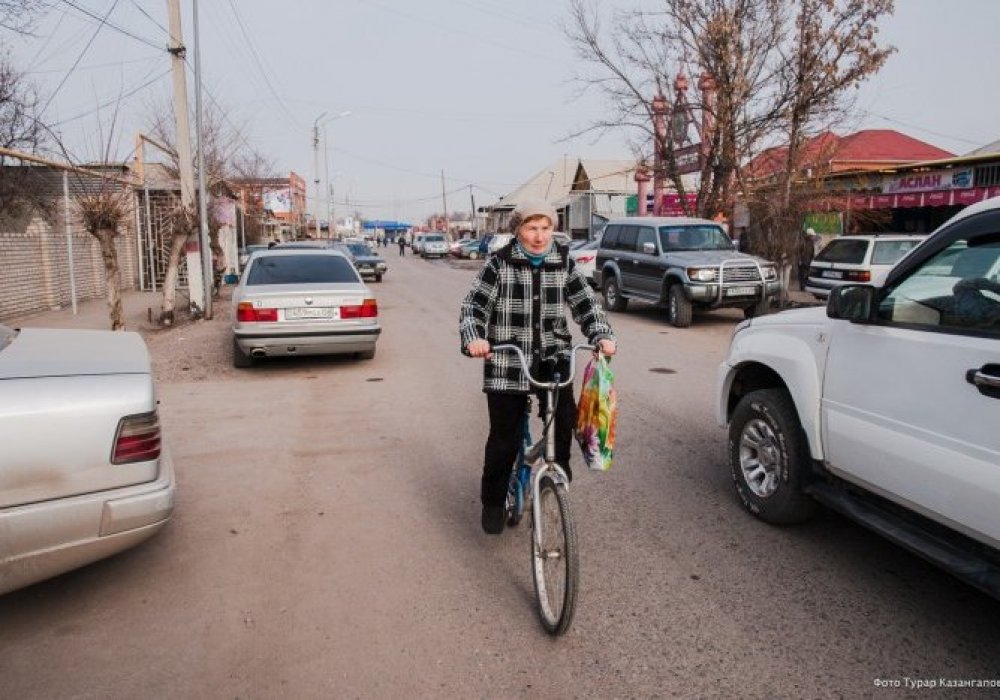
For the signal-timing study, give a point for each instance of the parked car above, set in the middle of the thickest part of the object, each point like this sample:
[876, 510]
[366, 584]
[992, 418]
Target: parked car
[681, 262]
[245, 253]
[303, 301]
[471, 249]
[83, 471]
[498, 241]
[434, 245]
[885, 405]
[367, 261]
[585, 257]
[857, 258]
[418, 243]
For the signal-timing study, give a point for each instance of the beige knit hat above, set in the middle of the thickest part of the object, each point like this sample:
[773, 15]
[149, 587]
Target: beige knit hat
[529, 208]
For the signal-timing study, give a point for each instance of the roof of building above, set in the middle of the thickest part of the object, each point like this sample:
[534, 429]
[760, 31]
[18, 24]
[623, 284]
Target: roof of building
[554, 183]
[867, 149]
[988, 149]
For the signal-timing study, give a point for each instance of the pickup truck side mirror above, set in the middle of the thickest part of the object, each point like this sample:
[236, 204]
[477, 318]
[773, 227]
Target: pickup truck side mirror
[649, 248]
[852, 302]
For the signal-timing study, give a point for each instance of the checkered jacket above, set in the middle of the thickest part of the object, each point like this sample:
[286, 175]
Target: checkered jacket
[512, 302]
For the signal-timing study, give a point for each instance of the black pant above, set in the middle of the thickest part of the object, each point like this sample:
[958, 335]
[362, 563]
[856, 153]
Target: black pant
[504, 441]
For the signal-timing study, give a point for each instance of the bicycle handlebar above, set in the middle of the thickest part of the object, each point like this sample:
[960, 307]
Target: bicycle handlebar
[527, 370]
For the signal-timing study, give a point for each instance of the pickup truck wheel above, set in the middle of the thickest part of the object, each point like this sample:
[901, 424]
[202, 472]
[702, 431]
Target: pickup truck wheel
[613, 299]
[678, 307]
[240, 359]
[759, 309]
[768, 458]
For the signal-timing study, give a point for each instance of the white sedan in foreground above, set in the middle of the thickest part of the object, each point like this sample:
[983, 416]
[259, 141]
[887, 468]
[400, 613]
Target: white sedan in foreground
[302, 301]
[83, 474]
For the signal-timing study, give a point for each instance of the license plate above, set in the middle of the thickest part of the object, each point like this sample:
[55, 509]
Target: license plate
[740, 291]
[308, 312]
[832, 274]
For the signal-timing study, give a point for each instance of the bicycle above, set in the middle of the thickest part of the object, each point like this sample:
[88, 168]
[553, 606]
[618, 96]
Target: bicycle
[555, 564]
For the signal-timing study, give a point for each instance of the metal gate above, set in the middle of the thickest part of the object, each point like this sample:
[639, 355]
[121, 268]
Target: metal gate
[156, 222]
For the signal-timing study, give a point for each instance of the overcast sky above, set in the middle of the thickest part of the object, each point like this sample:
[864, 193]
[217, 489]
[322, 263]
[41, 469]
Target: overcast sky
[480, 89]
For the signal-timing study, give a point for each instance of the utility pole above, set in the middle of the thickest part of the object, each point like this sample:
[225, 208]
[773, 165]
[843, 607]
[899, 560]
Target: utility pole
[206, 257]
[444, 203]
[196, 281]
[475, 219]
[316, 169]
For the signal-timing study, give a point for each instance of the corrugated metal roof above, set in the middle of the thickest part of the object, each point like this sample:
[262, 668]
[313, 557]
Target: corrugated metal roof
[554, 183]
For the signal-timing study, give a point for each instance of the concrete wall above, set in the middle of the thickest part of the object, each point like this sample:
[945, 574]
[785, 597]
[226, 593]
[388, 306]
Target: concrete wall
[34, 265]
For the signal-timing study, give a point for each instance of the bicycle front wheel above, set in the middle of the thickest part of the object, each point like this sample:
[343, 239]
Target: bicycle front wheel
[555, 562]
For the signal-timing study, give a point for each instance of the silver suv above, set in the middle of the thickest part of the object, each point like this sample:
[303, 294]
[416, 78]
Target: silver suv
[434, 244]
[682, 263]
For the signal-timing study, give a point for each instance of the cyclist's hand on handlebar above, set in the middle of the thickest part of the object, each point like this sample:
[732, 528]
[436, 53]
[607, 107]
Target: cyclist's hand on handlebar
[607, 347]
[479, 348]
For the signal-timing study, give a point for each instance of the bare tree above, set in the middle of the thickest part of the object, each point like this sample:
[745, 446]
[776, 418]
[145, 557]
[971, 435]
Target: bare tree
[18, 16]
[250, 170]
[20, 130]
[220, 144]
[103, 212]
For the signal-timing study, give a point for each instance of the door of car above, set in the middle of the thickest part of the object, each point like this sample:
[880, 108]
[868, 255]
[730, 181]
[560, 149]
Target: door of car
[626, 254]
[911, 401]
[648, 266]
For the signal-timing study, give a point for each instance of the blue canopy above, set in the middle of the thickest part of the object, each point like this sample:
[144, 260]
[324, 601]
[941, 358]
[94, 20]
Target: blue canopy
[387, 225]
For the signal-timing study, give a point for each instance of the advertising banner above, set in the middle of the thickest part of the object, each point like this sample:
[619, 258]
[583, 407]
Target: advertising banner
[925, 182]
[278, 201]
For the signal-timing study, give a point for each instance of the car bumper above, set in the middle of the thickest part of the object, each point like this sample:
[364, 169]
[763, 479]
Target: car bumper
[320, 343]
[42, 540]
[821, 289]
[709, 293]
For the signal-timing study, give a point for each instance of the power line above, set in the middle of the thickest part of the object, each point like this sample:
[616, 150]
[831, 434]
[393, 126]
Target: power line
[117, 99]
[79, 58]
[95, 66]
[151, 18]
[112, 25]
[260, 65]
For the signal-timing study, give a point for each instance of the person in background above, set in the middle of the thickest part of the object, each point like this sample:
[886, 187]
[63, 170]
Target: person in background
[402, 244]
[807, 249]
[520, 296]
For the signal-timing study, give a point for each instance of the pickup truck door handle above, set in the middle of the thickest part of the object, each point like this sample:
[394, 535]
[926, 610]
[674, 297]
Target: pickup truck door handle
[986, 379]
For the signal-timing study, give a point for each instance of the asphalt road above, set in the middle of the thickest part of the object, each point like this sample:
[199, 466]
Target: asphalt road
[326, 543]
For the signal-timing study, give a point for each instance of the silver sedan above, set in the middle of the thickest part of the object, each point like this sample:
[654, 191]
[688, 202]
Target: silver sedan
[83, 474]
[302, 302]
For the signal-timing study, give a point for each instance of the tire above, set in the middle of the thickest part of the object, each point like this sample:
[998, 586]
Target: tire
[759, 309]
[378, 278]
[613, 299]
[367, 355]
[556, 567]
[473, 255]
[679, 308]
[240, 359]
[769, 459]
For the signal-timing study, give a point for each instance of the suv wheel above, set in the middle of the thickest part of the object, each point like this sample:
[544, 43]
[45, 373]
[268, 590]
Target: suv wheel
[678, 307]
[613, 298]
[768, 458]
[759, 309]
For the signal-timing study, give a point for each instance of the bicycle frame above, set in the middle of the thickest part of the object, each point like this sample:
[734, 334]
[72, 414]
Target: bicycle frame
[547, 441]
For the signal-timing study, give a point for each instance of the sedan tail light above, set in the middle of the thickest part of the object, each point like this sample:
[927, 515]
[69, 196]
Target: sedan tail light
[246, 313]
[858, 275]
[367, 309]
[137, 439]
[585, 258]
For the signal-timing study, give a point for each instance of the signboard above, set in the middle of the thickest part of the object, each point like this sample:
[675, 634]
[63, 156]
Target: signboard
[278, 201]
[824, 222]
[688, 159]
[925, 182]
[670, 205]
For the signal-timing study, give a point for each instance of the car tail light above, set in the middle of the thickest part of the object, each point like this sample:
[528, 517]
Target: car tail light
[246, 313]
[585, 258]
[137, 439]
[367, 309]
[858, 275]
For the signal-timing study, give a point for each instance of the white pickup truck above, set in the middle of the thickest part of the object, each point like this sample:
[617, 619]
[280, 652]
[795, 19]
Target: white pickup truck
[885, 406]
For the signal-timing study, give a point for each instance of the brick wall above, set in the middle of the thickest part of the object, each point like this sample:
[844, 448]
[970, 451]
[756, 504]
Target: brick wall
[34, 265]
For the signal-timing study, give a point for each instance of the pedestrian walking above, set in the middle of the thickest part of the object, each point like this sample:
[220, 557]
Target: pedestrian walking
[402, 245]
[807, 249]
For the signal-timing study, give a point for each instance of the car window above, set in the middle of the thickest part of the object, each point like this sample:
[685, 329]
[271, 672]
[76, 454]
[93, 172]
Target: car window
[889, 252]
[844, 250]
[627, 237]
[359, 249]
[694, 238]
[610, 239]
[435, 239]
[300, 269]
[646, 235]
[959, 288]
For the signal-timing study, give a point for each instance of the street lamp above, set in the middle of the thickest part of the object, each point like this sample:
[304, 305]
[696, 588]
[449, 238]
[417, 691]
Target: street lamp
[316, 164]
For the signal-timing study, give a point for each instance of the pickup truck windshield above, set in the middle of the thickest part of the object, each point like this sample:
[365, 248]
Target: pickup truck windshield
[694, 238]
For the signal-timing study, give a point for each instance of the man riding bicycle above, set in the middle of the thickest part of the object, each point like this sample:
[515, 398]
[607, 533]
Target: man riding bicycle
[520, 297]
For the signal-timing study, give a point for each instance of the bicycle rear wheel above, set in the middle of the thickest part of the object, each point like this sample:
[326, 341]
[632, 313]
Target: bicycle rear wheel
[555, 565]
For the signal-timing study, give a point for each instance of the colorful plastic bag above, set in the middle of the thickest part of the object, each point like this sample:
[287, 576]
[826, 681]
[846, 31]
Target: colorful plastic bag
[596, 415]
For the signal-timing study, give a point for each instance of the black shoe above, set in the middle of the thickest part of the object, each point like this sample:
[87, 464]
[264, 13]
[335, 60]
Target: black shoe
[493, 517]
